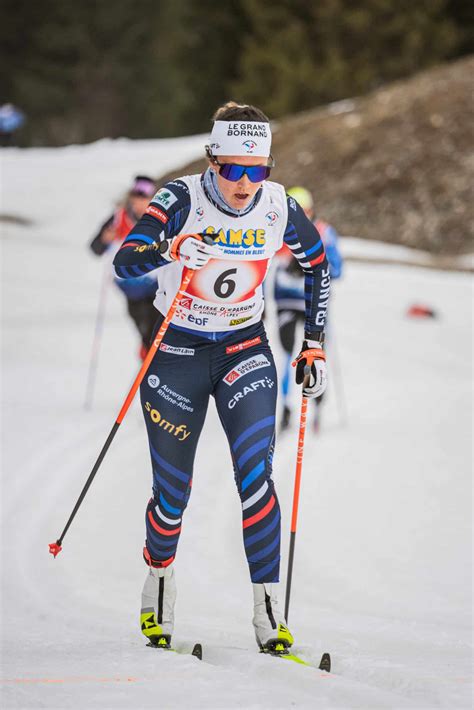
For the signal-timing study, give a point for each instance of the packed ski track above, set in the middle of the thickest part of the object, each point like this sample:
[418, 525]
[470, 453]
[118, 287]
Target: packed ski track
[382, 569]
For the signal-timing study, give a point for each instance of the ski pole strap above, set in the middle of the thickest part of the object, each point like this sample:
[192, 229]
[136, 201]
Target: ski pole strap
[310, 356]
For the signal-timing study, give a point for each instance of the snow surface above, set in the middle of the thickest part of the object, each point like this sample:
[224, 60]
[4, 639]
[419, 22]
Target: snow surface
[365, 249]
[382, 575]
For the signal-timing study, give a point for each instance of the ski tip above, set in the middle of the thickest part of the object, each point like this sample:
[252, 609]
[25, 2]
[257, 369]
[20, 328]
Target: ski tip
[197, 651]
[325, 663]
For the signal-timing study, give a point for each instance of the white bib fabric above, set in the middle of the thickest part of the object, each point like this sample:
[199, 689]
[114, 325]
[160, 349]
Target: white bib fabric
[226, 294]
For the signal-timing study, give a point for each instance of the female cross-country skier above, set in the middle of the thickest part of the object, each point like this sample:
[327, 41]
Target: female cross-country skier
[216, 345]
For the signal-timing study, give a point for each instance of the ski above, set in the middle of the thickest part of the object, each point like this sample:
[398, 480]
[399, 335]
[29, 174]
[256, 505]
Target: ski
[280, 651]
[165, 645]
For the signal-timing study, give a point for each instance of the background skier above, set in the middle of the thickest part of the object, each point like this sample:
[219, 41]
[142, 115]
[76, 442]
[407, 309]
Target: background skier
[139, 291]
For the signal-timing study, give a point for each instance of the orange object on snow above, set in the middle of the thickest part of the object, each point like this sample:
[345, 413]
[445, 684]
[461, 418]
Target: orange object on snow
[419, 310]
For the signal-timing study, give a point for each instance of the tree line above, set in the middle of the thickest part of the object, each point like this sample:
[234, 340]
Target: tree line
[150, 68]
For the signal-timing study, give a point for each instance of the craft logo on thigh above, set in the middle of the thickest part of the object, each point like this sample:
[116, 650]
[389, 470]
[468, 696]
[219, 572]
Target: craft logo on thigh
[177, 430]
[246, 366]
[266, 383]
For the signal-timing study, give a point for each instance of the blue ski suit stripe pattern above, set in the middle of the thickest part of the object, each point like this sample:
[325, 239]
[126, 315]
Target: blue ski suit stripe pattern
[175, 432]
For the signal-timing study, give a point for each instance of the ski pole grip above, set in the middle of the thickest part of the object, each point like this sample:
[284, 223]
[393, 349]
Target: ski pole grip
[208, 238]
[307, 377]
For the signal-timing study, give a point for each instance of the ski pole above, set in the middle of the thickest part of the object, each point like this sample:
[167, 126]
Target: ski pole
[296, 492]
[98, 331]
[55, 547]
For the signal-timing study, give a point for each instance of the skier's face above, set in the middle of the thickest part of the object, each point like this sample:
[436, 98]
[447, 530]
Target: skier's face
[238, 194]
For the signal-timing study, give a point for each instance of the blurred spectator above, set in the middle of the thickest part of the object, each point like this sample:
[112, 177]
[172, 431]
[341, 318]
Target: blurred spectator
[11, 119]
[289, 293]
[139, 292]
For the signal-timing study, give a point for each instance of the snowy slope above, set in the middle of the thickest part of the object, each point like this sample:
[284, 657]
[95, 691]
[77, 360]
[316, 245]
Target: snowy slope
[383, 553]
[369, 251]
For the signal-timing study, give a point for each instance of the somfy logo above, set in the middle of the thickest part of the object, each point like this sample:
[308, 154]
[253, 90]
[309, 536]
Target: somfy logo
[178, 430]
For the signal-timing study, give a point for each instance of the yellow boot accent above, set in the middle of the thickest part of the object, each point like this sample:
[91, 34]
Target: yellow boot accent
[284, 635]
[150, 627]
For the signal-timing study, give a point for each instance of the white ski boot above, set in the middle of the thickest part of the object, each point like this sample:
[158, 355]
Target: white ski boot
[158, 600]
[271, 631]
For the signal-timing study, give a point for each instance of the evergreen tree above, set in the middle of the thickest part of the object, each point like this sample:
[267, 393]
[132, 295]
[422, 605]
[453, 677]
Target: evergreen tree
[76, 77]
[198, 58]
[299, 54]
[89, 69]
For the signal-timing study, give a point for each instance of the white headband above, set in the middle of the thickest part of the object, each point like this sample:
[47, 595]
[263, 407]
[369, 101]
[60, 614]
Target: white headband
[241, 138]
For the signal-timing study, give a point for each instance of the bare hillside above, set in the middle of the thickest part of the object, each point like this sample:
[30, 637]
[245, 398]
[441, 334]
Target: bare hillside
[395, 165]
